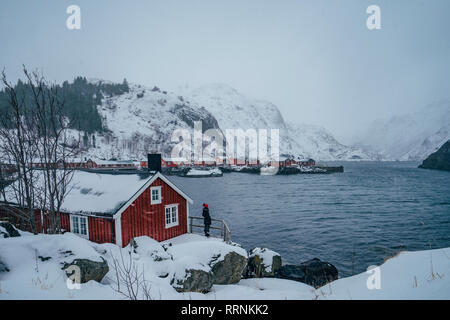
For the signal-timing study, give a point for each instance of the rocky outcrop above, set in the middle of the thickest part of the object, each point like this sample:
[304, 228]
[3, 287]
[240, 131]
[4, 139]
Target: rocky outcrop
[440, 160]
[193, 281]
[3, 267]
[313, 272]
[9, 230]
[189, 115]
[229, 270]
[262, 262]
[89, 270]
[290, 272]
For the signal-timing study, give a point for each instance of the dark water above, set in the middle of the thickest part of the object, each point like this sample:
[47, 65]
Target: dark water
[353, 219]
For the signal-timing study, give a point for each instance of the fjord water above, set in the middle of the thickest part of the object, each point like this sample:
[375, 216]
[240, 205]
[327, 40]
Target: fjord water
[353, 219]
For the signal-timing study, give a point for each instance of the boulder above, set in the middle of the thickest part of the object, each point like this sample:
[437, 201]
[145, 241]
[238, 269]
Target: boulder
[313, 272]
[262, 262]
[89, 270]
[318, 273]
[230, 269]
[7, 230]
[290, 272]
[193, 281]
[440, 160]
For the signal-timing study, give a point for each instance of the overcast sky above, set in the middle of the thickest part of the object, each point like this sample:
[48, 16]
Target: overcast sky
[316, 60]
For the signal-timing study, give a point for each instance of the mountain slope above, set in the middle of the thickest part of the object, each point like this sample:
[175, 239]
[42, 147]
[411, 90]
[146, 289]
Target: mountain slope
[409, 137]
[143, 121]
[440, 160]
[234, 110]
[318, 143]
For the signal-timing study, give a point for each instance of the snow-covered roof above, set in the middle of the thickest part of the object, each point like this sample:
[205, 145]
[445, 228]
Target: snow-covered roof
[103, 194]
[106, 162]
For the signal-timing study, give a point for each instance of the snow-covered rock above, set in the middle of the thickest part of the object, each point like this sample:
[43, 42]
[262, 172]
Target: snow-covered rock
[191, 252]
[89, 270]
[263, 262]
[7, 230]
[34, 263]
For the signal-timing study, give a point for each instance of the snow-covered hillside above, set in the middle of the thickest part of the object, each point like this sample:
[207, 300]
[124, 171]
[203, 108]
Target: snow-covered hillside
[318, 143]
[233, 109]
[144, 119]
[409, 137]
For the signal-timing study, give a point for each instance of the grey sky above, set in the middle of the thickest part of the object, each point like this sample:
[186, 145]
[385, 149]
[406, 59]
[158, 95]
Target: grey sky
[316, 60]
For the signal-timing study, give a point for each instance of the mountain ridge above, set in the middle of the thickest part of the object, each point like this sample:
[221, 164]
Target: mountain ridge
[409, 137]
[143, 119]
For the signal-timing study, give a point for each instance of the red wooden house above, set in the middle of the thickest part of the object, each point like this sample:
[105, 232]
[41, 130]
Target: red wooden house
[116, 208]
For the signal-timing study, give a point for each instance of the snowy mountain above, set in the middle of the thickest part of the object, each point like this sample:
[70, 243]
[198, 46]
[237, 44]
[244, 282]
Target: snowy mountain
[234, 110]
[320, 144]
[143, 119]
[409, 137]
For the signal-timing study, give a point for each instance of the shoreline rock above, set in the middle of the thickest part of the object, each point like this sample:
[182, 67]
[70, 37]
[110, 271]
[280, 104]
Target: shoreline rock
[313, 272]
[194, 281]
[262, 263]
[230, 269]
[439, 160]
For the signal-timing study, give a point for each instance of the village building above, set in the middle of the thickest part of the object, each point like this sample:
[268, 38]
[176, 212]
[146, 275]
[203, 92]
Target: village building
[108, 208]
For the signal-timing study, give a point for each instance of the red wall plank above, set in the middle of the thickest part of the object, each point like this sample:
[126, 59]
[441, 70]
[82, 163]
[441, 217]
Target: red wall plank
[144, 219]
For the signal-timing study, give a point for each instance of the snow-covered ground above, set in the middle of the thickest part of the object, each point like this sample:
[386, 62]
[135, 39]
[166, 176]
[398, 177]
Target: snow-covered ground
[409, 275]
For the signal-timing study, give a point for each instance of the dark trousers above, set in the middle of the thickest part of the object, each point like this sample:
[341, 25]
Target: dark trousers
[207, 228]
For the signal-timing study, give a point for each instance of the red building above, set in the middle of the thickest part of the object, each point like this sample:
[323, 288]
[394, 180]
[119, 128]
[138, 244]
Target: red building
[307, 163]
[116, 208]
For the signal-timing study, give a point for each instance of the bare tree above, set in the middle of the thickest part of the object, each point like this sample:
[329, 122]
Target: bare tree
[55, 151]
[128, 280]
[18, 148]
[34, 131]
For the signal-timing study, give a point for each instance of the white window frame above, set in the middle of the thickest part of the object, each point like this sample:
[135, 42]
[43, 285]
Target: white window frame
[177, 220]
[158, 201]
[72, 227]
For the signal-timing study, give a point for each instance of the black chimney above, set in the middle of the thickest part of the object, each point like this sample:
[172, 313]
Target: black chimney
[154, 162]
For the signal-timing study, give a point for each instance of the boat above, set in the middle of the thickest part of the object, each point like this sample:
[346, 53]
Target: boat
[204, 172]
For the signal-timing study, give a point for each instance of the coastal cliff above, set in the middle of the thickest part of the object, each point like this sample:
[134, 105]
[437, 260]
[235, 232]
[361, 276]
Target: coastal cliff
[439, 160]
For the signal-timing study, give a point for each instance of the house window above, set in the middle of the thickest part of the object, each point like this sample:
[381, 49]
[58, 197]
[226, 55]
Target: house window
[171, 215]
[79, 225]
[155, 194]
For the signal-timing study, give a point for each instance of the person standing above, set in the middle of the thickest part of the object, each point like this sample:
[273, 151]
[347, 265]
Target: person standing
[206, 218]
